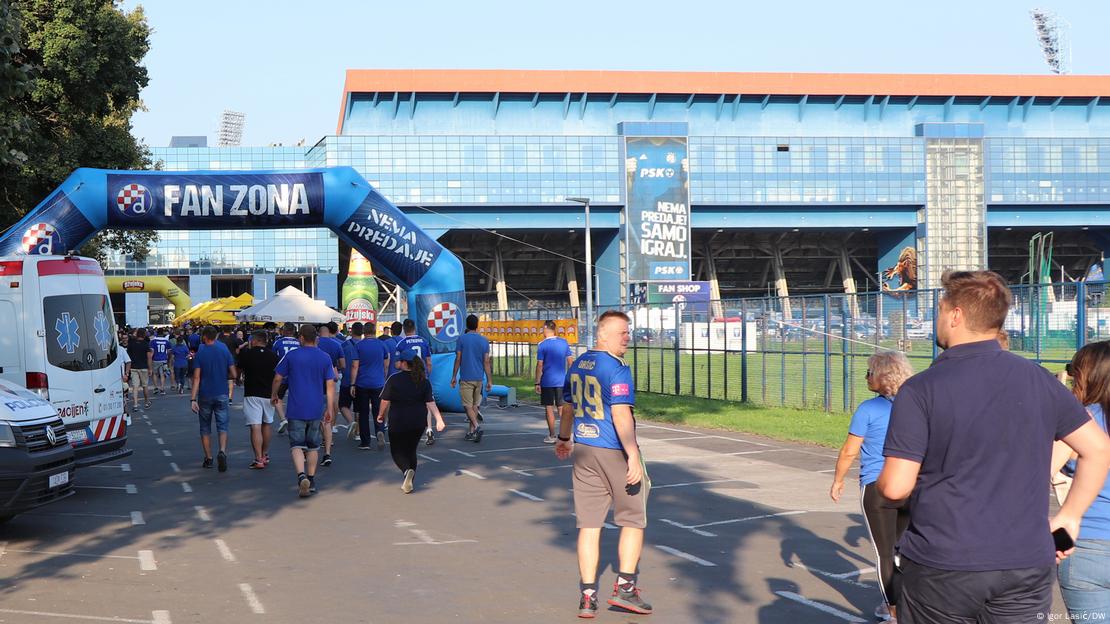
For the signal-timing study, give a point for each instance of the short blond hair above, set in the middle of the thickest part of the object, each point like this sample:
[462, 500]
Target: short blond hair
[889, 369]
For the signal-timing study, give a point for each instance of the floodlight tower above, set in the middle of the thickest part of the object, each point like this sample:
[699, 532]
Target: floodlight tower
[1053, 36]
[231, 128]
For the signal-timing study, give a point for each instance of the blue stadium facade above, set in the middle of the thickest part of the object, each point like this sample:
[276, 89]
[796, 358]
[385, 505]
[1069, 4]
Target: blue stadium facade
[797, 182]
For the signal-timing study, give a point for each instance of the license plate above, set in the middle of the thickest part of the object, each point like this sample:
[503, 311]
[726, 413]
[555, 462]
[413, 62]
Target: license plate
[61, 478]
[77, 437]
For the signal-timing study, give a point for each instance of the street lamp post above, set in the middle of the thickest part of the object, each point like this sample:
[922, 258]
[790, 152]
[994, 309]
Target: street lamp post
[585, 201]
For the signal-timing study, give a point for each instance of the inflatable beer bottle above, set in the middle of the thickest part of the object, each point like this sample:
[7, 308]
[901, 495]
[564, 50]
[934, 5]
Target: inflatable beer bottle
[360, 291]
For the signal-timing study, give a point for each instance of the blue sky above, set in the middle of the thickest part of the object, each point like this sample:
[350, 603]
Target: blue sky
[283, 62]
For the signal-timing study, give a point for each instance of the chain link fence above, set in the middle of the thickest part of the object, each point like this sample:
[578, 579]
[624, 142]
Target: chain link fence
[811, 352]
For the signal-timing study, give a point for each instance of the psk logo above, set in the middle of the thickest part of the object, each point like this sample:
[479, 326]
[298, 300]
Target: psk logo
[134, 200]
[103, 330]
[443, 322]
[41, 239]
[67, 329]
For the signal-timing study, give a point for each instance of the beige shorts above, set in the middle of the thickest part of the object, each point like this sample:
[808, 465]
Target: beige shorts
[139, 377]
[471, 392]
[600, 481]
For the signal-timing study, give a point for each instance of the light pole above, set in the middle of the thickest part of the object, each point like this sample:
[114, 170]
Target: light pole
[585, 201]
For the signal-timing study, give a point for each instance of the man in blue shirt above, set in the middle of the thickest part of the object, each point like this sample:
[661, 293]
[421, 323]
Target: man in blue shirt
[160, 347]
[971, 439]
[310, 376]
[394, 336]
[553, 358]
[374, 360]
[282, 346]
[416, 344]
[472, 365]
[347, 381]
[213, 367]
[608, 468]
[179, 361]
[331, 346]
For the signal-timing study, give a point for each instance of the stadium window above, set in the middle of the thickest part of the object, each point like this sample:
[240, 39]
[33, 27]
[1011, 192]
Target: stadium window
[783, 148]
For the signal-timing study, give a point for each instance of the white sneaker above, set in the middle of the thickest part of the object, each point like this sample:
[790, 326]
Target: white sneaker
[406, 487]
[549, 439]
[284, 424]
[882, 612]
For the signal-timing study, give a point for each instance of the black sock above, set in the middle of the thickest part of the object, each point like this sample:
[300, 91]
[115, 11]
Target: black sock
[300, 475]
[626, 578]
[583, 587]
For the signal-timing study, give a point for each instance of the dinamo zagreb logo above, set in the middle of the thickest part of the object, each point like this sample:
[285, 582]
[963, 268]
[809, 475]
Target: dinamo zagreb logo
[443, 322]
[134, 200]
[41, 239]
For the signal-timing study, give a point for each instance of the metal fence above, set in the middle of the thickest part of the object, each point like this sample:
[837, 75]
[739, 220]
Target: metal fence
[811, 351]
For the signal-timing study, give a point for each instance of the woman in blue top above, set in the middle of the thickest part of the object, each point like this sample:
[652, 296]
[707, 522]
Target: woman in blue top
[1085, 575]
[885, 519]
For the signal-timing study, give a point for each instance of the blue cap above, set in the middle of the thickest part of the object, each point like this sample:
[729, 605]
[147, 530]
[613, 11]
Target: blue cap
[408, 354]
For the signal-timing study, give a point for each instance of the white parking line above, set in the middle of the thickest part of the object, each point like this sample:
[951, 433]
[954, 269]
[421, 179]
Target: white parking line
[154, 431]
[518, 448]
[160, 441]
[75, 515]
[519, 472]
[693, 437]
[460, 452]
[68, 554]
[687, 556]
[527, 495]
[113, 467]
[735, 520]
[688, 528]
[167, 453]
[845, 577]
[137, 518]
[161, 617]
[93, 618]
[174, 467]
[252, 600]
[125, 467]
[188, 489]
[131, 489]
[674, 485]
[146, 560]
[225, 552]
[431, 459]
[833, 611]
[202, 513]
[472, 474]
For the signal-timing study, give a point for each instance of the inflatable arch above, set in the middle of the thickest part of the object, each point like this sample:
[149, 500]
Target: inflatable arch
[159, 284]
[334, 197]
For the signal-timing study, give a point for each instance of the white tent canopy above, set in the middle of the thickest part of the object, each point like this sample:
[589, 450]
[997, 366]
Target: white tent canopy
[292, 305]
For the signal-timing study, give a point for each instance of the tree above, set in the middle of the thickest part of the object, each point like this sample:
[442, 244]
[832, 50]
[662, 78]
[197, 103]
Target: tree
[83, 60]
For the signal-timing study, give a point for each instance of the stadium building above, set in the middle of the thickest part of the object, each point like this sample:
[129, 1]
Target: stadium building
[796, 183]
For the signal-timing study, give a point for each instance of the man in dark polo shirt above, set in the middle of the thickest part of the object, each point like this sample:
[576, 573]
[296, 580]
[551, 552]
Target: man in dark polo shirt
[971, 437]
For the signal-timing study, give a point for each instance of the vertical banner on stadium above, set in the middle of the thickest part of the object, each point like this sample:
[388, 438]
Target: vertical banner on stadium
[658, 208]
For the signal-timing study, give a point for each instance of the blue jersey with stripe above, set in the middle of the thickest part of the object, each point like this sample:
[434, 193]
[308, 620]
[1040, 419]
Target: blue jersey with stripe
[285, 344]
[595, 382]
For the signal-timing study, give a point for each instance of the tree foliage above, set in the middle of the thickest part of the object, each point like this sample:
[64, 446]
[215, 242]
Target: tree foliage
[76, 68]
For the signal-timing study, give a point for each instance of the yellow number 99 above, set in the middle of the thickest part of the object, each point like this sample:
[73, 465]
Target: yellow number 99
[586, 392]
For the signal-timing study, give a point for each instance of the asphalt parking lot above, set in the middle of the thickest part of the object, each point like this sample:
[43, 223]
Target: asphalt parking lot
[741, 530]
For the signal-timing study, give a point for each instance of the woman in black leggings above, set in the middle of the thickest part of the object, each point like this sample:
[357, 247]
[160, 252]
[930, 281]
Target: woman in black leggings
[407, 399]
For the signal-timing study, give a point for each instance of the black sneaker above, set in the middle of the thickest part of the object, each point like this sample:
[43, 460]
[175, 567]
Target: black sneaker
[587, 606]
[430, 438]
[627, 597]
[480, 419]
[469, 437]
[304, 487]
[477, 435]
[207, 463]
[364, 447]
[312, 486]
[221, 462]
[326, 461]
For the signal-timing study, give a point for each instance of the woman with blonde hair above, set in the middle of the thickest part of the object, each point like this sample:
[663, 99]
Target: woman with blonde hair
[886, 520]
[1085, 575]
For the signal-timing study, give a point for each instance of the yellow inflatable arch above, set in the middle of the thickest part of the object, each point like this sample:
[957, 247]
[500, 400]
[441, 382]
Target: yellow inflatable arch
[159, 284]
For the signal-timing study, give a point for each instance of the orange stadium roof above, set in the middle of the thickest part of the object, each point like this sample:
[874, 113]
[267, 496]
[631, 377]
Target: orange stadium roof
[717, 83]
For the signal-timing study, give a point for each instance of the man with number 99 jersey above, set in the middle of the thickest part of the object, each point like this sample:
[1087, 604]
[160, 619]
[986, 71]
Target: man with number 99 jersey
[608, 469]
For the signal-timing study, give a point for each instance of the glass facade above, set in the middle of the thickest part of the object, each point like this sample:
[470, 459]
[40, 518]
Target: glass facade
[955, 214]
[1048, 171]
[513, 170]
[793, 170]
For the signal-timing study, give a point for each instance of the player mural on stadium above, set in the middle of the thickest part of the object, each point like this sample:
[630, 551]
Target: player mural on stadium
[905, 270]
[336, 197]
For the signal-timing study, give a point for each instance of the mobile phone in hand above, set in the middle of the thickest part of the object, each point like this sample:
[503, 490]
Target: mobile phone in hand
[1063, 541]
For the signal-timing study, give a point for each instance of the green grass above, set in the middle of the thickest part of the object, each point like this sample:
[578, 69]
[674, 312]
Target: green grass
[780, 423]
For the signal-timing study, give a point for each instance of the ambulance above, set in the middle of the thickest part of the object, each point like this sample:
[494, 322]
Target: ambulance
[58, 340]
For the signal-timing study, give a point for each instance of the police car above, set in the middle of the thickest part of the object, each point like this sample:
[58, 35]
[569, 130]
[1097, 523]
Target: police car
[36, 459]
[58, 340]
